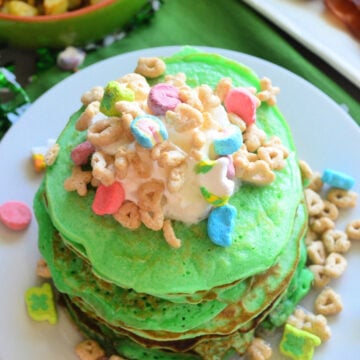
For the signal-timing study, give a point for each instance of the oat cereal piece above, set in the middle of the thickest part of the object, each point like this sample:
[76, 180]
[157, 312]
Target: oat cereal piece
[310, 237]
[128, 215]
[94, 94]
[335, 265]
[42, 269]
[150, 194]
[105, 132]
[136, 83]
[343, 199]
[306, 172]
[51, 154]
[150, 67]
[305, 320]
[320, 225]
[259, 350]
[141, 161]
[129, 108]
[316, 253]
[178, 80]
[353, 230]
[336, 241]
[268, 91]
[84, 120]
[116, 357]
[208, 99]
[258, 173]
[169, 235]
[176, 178]
[89, 350]
[78, 181]
[321, 279]
[276, 142]
[209, 123]
[172, 158]
[188, 96]
[236, 120]
[198, 139]
[222, 88]
[103, 168]
[153, 220]
[328, 302]
[330, 210]
[272, 155]
[185, 117]
[161, 147]
[316, 182]
[253, 138]
[314, 203]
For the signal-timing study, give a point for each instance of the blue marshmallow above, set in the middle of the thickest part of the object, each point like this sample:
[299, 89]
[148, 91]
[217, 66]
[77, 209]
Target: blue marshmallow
[230, 142]
[338, 179]
[221, 222]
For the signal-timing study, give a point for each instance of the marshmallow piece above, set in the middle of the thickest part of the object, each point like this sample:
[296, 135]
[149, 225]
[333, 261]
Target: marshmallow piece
[163, 97]
[113, 93]
[70, 58]
[15, 215]
[230, 141]
[40, 303]
[221, 222]
[243, 103]
[338, 179]
[108, 199]
[81, 153]
[148, 130]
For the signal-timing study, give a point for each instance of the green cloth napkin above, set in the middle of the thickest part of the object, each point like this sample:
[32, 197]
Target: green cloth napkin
[226, 24]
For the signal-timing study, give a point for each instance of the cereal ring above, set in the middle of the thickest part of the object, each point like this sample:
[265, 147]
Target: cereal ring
[259, 350]
[328, 302]
[353, 230]
[343, 199]
[150, 67]
[320, 225]
[78, 181]
[129, 108]
[94, 94]
[268, 92]
[316, 182]
[321, 279]
[272, 155]
[330, 210]
[151, 219]
[258, 173]
[185, 117]
[178, 80]
[138, 84]
[254, 138]
[188, 96]
[121, 164]
[314, 203]
[207, 98]
[51, 154]
[170, 159]
[141, 161]
[336, 241]
[222, 88]
[42, 269]
[310, 237]
[89, 350]
[105, 132]
[176, 178]
[128, 215]
[335, 265]
[84, 120]
[316, 253]
[236, 120]
[306, 172]
[169, 235]
[103, 168]
[150, 194]
[276, 142]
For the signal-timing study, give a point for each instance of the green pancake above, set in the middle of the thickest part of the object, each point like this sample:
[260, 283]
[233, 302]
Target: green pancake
[140, 259]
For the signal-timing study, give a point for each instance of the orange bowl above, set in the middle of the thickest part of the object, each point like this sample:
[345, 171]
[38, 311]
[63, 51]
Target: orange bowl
[76, 27]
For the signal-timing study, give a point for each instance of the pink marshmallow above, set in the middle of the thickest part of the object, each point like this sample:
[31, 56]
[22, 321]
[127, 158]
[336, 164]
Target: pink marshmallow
[81, 153]
[108, 199]
[243, 103]
[15, 215]
[163, 97]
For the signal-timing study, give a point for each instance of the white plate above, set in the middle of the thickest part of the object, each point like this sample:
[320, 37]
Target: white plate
[312, 25]
[325, 135]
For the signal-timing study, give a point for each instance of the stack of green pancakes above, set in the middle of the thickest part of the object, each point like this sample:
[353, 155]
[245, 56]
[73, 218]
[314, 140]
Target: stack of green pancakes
[143, 299]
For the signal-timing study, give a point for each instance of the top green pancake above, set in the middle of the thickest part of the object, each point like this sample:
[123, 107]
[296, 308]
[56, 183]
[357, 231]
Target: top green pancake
[141, 259]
